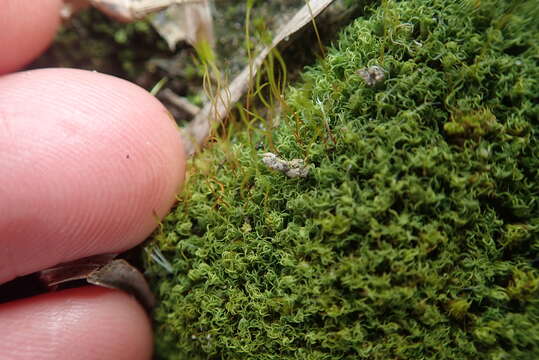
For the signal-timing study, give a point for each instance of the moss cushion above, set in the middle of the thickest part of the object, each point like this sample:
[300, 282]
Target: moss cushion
[415, 234]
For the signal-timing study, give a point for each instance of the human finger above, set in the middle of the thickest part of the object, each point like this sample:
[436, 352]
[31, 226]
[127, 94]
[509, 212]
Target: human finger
[89, 164]
[26, 29]
[84, 323]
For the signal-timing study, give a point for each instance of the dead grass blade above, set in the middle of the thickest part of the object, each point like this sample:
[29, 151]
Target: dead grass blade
[131, 10]
[190, 22]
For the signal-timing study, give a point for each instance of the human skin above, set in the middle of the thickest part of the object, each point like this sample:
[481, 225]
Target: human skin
[88, 164]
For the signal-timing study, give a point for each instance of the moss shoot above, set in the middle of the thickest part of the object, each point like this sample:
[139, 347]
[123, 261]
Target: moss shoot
[415, 234]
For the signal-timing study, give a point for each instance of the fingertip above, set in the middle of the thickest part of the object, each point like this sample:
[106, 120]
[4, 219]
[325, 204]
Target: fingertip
[27, 28]
[94, 162]
[82, 323]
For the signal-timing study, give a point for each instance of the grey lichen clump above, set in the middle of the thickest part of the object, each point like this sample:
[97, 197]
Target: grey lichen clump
[373, 75]
[416, 233]
[293, 168]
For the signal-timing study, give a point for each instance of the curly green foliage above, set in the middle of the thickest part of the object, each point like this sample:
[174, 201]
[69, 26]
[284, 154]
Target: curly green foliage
[415, 235]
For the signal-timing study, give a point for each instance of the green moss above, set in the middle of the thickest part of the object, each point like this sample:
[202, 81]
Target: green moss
[458, 308]
[402, 243]
[474, 124]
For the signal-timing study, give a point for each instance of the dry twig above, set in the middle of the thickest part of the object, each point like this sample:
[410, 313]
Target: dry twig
[181, 102]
